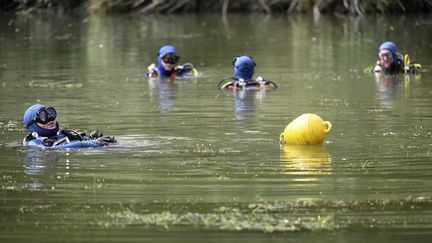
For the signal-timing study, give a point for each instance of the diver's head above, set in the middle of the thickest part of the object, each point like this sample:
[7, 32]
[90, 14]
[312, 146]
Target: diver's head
[243, 67]
[387, 54]
[167, 59]
[41, 119]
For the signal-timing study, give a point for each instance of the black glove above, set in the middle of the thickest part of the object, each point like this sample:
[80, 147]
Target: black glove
[107, 140]
[72, 134]
[187, 67]
[95, 134]
[49, 142]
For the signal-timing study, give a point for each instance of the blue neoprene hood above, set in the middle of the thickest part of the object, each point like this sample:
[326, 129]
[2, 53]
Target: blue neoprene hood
[30, 114]
[244, 67]
[162, 52]
[391, 47]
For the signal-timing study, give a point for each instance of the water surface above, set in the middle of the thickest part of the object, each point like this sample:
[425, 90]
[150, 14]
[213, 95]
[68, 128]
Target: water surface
[196, 164]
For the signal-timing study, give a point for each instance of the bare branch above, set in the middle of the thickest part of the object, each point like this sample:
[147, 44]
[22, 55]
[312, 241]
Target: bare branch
[225, 7]
[267, 10]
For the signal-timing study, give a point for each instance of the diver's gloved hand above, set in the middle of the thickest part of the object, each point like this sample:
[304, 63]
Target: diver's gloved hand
[107, 140]
[152, 70]
[377, 69]
[48, 142]
[72, 134]
[186, 67]
[95, 134]
[414, 67]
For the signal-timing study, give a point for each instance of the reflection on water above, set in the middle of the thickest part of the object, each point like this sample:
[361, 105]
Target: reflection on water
[167, 93]
[388, 85]
[392, 87]
[306, 160]
[43, 168]
[244, 101]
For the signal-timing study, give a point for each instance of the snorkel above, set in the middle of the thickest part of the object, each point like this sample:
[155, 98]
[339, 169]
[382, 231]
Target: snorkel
[29, 120]
[243, 67]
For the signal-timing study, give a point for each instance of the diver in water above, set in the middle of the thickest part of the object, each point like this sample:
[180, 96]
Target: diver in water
[243, 75]
[390, 61]
[167, 65]
[45, 131]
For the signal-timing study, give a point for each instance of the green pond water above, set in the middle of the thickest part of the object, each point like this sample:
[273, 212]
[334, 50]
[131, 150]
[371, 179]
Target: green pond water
[196, 164]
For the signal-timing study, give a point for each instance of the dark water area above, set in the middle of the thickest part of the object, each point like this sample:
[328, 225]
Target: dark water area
[196, 164]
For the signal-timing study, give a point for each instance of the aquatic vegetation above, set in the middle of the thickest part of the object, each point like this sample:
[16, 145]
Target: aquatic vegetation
[271, 217]
[54, 85]
[10, 125]
[231, 219]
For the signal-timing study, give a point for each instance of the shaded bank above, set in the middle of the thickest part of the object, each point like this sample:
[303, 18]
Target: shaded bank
[354, 7]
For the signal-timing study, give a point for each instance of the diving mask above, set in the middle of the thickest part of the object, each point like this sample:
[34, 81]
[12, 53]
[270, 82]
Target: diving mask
[384, 54]
[170, 58]
[45, 115]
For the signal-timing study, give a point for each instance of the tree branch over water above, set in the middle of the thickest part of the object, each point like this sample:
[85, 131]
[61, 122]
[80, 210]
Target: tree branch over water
[349, 7]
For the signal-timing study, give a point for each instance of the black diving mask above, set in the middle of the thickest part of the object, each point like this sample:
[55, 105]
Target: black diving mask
[170, 58]
[45, 115]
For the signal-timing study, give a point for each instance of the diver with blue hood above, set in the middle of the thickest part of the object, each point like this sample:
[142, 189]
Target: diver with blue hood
[390, 61]
[45, 132]
[167, 65]
[244, 67]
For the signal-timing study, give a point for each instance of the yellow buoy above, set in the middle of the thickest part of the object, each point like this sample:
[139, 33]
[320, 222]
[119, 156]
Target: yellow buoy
[306, 129]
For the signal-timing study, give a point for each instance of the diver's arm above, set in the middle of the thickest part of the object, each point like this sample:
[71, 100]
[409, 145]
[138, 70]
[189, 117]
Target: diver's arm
[377, 68]
[152, 71]
[80, 144]
[35, 143]
[59, 144]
